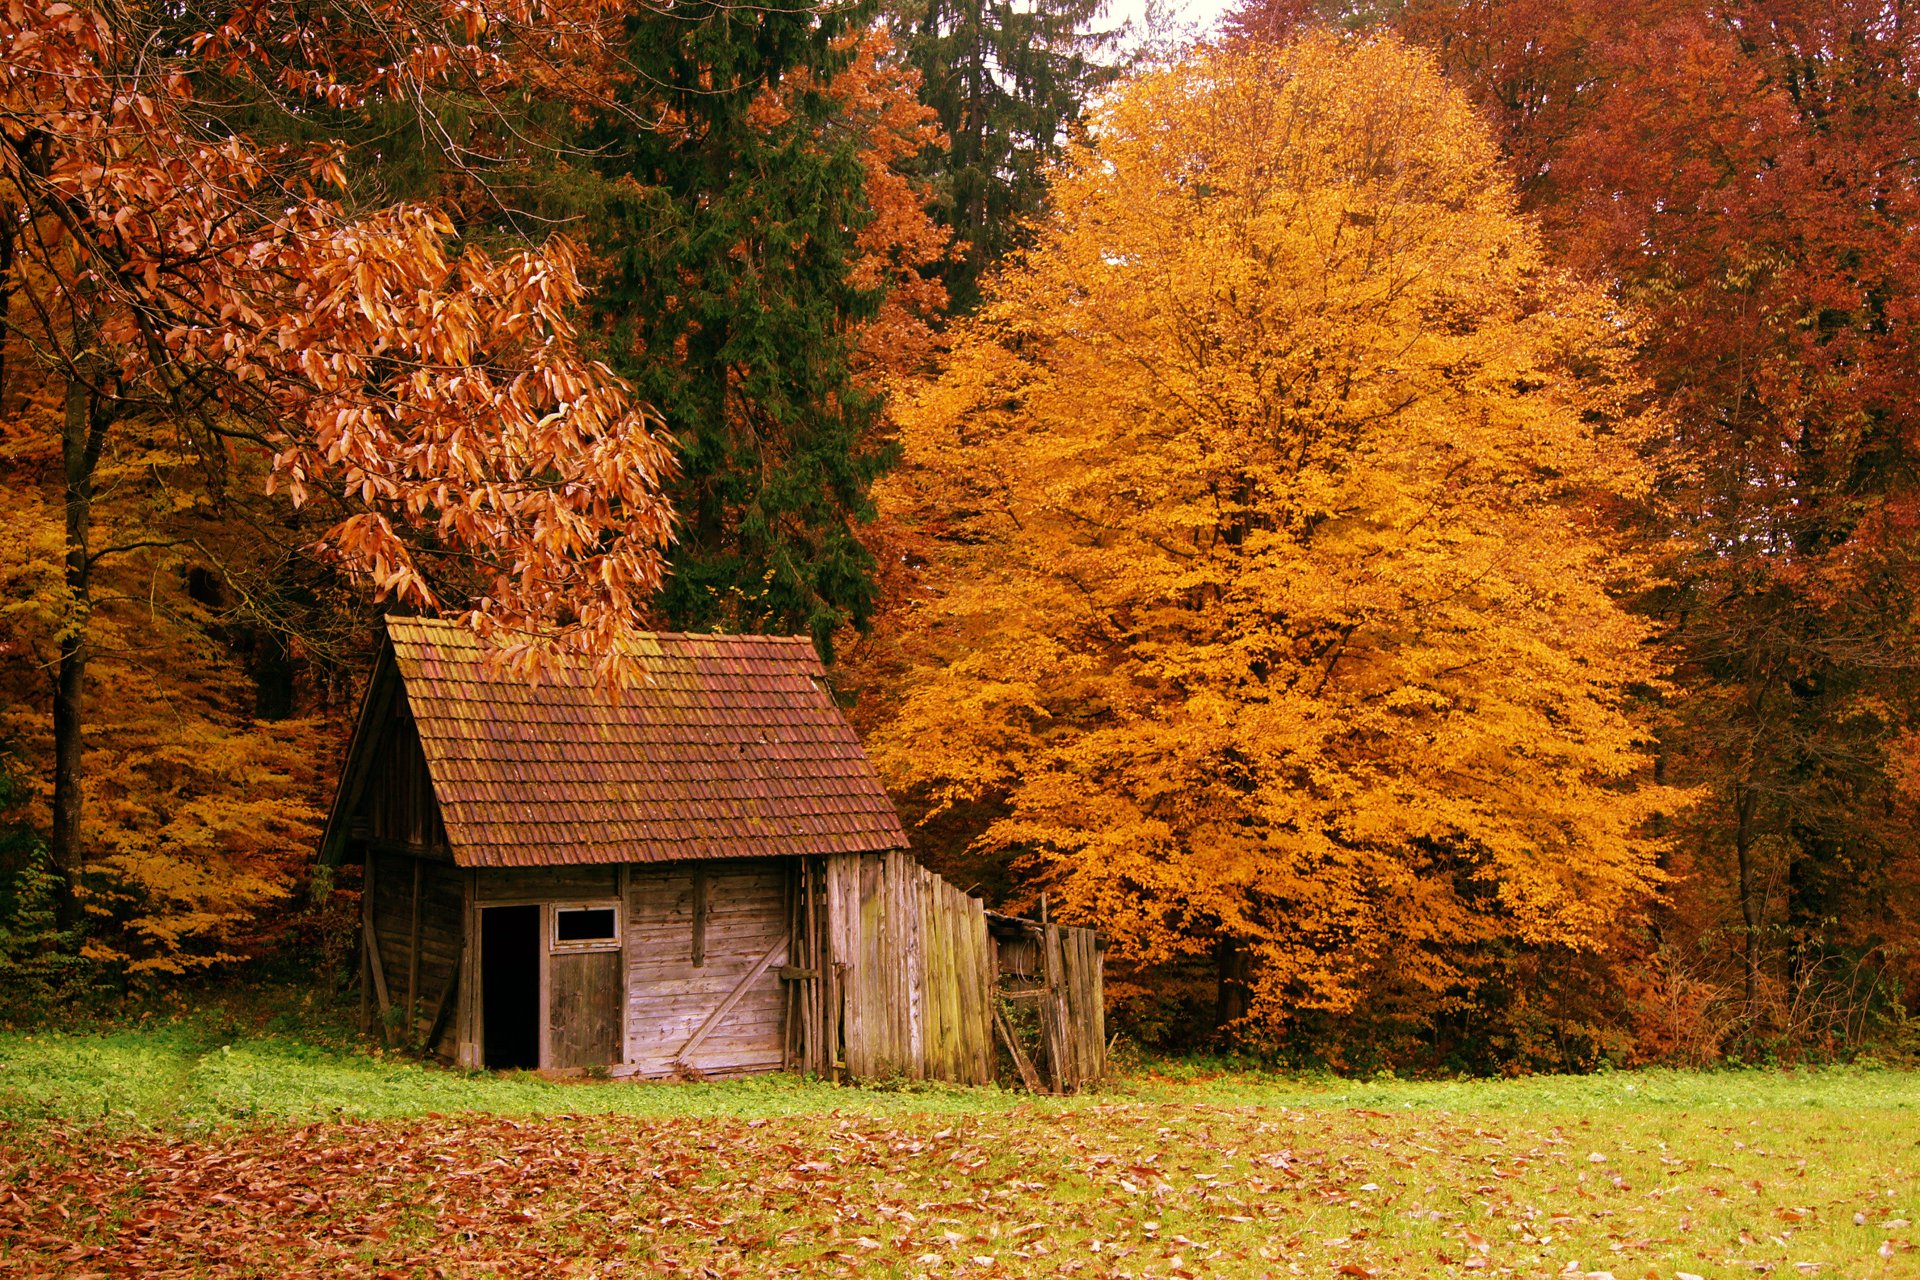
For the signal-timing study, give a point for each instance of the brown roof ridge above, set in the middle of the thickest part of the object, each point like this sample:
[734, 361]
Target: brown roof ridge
[452, 627]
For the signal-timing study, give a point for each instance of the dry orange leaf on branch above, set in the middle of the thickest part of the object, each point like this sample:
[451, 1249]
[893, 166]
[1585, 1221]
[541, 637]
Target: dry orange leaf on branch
[437, 393]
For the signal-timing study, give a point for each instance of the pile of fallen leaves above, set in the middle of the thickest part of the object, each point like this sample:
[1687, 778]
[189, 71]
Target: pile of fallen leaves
[1127, 1190]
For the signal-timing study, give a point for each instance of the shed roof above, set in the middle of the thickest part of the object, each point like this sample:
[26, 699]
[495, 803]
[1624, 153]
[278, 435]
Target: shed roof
[730, 747]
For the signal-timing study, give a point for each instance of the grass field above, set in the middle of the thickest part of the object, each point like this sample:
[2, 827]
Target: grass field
[187, 1148]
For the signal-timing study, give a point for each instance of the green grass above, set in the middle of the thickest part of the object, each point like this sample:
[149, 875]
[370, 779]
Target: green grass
[210, 1145]
[182, 1077]
[191, 1072]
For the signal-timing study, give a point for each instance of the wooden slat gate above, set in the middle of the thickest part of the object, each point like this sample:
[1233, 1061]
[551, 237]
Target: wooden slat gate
[1055, 971]
[910, 972]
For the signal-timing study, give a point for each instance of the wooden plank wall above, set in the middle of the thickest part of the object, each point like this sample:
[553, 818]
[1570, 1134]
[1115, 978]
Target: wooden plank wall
[669, 997]
[910, 957]
[501, 885]
[398, 803]
[438, 926]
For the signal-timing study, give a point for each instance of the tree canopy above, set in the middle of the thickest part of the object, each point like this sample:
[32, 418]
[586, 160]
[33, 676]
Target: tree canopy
[1283, 468]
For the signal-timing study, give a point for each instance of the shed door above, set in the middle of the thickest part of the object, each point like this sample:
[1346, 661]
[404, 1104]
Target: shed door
[510, 986]
[584, 980]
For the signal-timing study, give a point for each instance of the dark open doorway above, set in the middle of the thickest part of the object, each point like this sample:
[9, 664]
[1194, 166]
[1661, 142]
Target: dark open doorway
[510, 985]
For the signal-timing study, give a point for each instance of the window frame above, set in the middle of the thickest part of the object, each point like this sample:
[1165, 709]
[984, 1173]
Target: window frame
[571, 946]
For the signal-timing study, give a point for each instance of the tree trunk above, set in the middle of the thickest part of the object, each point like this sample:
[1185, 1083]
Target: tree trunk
[81, 437]
[1235, 971]
[1743, 804]
[8, 226]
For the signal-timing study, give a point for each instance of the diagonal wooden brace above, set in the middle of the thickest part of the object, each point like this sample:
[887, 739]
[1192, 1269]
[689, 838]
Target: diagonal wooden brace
[726, 1006]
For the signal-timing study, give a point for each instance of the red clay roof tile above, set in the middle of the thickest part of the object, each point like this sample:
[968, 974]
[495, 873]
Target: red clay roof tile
[731, 747]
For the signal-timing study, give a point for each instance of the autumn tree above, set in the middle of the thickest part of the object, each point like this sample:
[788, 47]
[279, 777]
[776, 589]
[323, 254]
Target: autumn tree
[203, 302]
[1744, 176]
[1272, 617]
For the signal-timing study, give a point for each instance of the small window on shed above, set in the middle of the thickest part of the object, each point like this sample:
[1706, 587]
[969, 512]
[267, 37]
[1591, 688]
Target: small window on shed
[586, 927]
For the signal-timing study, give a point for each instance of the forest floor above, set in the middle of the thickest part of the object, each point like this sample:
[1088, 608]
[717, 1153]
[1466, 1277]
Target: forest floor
[187, 1147]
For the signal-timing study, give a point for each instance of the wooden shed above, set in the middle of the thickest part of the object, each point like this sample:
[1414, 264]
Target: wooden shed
[702, 877]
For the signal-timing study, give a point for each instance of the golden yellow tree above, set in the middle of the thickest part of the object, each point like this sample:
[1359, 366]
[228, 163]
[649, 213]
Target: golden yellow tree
[1271, 609]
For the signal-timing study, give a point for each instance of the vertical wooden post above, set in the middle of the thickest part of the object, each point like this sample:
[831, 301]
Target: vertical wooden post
[468, 1053]
[820, 1054]
[546, 986]
[366, 935]
[790, 1052]
[988, 958]
[699, 915]
[826, 996]
[624, 884]
[366, 941]
[413, 955]
[1054, 1033]
[833, 954]
[383, 1003]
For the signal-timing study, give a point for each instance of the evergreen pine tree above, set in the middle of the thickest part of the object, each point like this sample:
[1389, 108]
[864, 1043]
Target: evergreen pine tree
[731, 204]
[730, 208]
[1009, 82]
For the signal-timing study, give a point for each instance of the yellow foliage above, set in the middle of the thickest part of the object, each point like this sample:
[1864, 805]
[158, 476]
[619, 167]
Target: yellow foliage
[1272, 594]
[197, 818]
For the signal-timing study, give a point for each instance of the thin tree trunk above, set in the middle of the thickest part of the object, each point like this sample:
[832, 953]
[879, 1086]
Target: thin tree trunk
[1234, 971]
[1743, 804]
[82, 435]
[8, 228]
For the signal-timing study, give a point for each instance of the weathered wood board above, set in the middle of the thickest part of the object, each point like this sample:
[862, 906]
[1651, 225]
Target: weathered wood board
[418, 942]
[583, 1009]
[548, 884]
[910, 956]
[670, 997]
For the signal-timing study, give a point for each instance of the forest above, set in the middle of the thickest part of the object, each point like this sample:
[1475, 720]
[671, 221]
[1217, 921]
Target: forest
[1405, 516]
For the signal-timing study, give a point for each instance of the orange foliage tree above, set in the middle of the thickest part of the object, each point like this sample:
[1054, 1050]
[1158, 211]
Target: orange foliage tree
[181, 284]
[1744, 175]
[1271, 613]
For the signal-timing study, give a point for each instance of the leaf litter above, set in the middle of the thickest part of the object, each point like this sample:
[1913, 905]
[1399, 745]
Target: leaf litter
[1128, 1190]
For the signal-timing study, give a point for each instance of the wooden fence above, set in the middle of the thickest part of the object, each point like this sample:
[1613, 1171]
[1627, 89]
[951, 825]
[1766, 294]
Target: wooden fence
[913, 969]
[1055, 970]
[894, 972]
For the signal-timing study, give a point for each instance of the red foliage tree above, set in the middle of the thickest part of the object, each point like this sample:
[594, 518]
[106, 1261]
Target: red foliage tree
[172, 267]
